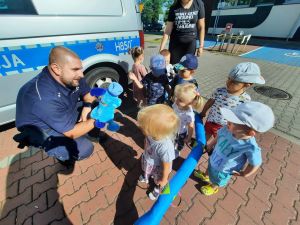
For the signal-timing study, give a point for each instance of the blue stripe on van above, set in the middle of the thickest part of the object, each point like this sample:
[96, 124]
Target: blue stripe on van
[32, 57]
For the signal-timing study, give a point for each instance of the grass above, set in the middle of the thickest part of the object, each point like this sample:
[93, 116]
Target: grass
[154, 38]
[154, 41]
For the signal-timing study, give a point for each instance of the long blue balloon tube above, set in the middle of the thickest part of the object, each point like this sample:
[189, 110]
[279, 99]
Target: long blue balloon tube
[160, 207]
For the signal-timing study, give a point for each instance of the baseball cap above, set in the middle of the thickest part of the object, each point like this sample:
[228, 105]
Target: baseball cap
[158, 65]
[188, 61]
[247, 72]
[255, 115]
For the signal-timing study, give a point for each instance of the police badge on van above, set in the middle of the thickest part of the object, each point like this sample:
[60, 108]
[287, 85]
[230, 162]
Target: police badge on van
[99, 47]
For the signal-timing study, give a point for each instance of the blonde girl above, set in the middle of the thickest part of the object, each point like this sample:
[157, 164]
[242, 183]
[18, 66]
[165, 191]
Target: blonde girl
[139, 70]
[159, 123]
[186, 100]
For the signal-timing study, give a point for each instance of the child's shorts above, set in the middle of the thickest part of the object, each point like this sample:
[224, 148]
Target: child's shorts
[218, 178]
[212, 128]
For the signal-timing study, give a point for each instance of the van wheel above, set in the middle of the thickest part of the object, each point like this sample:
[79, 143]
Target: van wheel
[101, 77]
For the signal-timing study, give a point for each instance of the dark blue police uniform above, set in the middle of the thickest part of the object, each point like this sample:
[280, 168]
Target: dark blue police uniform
[52, 109]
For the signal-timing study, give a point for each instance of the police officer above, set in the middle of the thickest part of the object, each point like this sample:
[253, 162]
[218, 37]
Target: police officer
[47, 108]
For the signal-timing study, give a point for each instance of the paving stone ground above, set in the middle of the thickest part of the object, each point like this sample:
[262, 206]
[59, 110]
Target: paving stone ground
[103, 189]
[36, 190]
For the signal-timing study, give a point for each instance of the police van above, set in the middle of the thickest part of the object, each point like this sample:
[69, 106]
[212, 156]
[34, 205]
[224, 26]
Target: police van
[101, 32]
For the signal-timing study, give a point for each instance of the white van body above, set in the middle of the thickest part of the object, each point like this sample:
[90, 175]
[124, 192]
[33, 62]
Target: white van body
[101, 32]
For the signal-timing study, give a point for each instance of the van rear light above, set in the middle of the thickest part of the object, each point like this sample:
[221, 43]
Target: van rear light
[142, 38]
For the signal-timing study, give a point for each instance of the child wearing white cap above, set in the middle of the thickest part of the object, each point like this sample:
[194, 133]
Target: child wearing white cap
[242, 76]
[235, 145]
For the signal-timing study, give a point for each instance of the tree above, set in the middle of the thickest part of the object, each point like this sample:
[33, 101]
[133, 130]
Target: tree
[167, 4]
[152, 9]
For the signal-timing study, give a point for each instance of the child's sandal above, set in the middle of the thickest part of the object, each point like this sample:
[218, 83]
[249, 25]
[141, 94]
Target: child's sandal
[201, 175]
[208, 190]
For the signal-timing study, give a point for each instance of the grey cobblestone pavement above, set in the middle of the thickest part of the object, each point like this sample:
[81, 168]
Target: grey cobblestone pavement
[213, 71]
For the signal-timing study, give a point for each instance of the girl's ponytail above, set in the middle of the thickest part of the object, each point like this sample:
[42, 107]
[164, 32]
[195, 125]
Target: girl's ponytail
[136, 52]
[198, 103]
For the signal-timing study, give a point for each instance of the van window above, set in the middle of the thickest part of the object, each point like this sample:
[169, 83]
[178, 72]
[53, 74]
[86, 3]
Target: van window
[265, 2]
[233, 3]
[16, 7]
[243, 2]
[79, 7]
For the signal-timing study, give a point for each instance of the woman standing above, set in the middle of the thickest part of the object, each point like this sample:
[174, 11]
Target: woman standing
[185, 18]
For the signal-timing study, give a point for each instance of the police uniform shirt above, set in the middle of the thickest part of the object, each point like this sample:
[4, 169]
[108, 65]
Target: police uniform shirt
[46, 104]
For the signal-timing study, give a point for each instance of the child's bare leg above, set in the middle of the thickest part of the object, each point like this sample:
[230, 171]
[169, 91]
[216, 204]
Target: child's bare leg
[206, 172]
[209, 138]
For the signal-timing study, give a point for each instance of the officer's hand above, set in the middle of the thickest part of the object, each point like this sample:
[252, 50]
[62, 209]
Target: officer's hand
[84, 114]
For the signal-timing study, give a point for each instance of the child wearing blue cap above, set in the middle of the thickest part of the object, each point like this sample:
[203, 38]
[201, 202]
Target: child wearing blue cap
[155, 84]
[235, 145]
[186, 69]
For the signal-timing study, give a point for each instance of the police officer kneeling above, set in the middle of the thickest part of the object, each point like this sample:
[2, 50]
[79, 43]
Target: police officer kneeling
[47, 109]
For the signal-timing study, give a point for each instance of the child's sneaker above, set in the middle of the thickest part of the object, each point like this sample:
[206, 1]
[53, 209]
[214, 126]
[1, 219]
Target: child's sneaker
[153, 195]
[142, 179]
[209, 190]
[201, 175]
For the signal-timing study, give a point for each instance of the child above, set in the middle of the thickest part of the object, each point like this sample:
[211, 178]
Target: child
[186, 98]
[155, 83]
[159, 124]
[139, 71]
[240, 78]
[169, 67]
[186, 69]
[235, 145]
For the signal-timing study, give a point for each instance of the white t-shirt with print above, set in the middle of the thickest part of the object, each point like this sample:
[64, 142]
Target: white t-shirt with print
[185, 116]
[224, 100]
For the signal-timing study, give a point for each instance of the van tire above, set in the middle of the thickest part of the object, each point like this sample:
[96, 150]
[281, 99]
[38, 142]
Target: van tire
[102, 77]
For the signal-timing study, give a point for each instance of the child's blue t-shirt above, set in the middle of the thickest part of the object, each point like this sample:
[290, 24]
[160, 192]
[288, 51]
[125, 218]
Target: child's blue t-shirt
[231, 154]
[179, 80]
